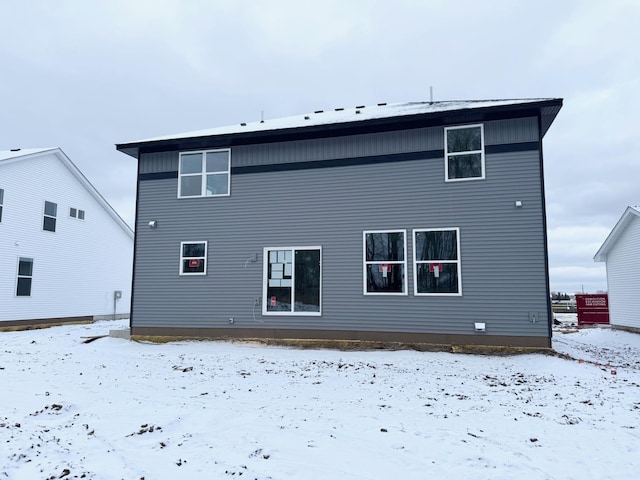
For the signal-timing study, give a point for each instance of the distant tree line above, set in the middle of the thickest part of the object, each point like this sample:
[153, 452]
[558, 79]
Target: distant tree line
[560, 296]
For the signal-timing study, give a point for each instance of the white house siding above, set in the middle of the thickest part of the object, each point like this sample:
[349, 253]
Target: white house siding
[76, 269]
[623, 277]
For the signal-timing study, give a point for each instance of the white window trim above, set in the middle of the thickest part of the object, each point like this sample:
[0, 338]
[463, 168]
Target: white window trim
[204, 173]
[18, 276]
[77, 215]
[206, 263]
[395, 262]
[265, 281]
[481, 152]
[55, 217]
[416, 262]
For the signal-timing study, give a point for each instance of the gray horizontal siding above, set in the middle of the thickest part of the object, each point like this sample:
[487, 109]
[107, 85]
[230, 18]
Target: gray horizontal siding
[500, 132]
[502, 247]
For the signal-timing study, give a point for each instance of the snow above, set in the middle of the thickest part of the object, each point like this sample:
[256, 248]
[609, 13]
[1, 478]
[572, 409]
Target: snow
[118, 409]
[343, 115]
[10, 154]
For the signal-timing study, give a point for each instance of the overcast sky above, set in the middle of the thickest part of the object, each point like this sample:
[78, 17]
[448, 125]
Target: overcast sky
[83, 75]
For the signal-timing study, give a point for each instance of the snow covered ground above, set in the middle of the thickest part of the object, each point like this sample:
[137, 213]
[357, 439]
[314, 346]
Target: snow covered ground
[116, 409]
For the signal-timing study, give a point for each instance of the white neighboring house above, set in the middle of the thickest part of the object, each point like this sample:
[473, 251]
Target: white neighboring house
[64, 251]
[621, 252]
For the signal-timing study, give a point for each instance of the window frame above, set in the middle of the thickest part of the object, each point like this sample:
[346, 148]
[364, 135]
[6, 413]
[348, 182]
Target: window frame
[466, 152]
[405, 286]
[19, 276]
[46, 215]
[203, 173]
[416, 262]
[183, 258]
[265, 282]
[76, 213]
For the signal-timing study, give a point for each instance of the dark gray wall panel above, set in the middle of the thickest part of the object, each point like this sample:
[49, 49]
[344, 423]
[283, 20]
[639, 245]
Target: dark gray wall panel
[502, 247]
[417, 140]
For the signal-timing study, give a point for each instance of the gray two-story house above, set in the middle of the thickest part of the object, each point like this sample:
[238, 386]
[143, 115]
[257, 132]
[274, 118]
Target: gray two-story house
[420, 222]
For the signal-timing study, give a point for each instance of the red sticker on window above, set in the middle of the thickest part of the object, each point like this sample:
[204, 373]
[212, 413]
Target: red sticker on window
[433, 266]
[273, 301]
[194, 262]
[384, 268]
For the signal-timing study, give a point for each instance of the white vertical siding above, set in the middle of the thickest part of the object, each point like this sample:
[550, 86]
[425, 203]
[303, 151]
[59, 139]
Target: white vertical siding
[77, 268]
[623, 277]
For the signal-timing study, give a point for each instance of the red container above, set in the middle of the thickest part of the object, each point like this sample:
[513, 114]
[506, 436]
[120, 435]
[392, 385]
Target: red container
[592, 308]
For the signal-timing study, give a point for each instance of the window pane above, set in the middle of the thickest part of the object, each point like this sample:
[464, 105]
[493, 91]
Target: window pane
[218, 184]
[24, 287]
[464, 140]
[217, 161]
[278, 299]
[465, 166]
[388, 278]
[81, 214]
[50, 208]
[193, 265]
[0, 213]
[191, 186]
[49, 224]
[445, 282]
[193, 250]
[72, 212]
[1, 195]
[385, 246]
[191, 163]
[25, 267]
[307, 281]
[437, 245]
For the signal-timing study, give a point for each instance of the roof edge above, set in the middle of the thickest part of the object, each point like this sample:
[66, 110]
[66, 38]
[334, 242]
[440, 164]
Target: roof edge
[612, 238]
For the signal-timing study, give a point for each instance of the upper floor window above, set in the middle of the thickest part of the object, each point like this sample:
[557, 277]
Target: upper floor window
[385, 262]
[25, 277]
[464, 153]
[193, 258]
[76, 213]
[50, 214]
[1, 202]
[204, 174]
[436, 269]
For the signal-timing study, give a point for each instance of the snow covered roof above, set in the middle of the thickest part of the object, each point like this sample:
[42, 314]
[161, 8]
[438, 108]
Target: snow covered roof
[19, 154]
[629, 214]
[362, 113]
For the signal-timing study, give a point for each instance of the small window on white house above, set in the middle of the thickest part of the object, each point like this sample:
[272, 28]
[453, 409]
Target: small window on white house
[385, 262]
[292, 281]
[1, 202]
[193, 258]
[25, 277]
[436, 269]
[50, 214]
[204, 174]
[76, 213]
[464, 153]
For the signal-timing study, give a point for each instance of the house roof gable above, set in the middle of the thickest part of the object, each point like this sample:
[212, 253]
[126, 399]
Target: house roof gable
[628, 216]
[16, 155]
[360, 119]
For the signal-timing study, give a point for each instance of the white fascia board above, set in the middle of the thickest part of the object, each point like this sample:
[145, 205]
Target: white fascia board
[627, 216]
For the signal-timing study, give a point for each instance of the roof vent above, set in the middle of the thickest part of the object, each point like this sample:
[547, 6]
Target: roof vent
[319, 111]
[306, 117]
[339, 109]
[359, 106]
[357, 111]
[243, 124]
[381, 104]
[15, 149]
